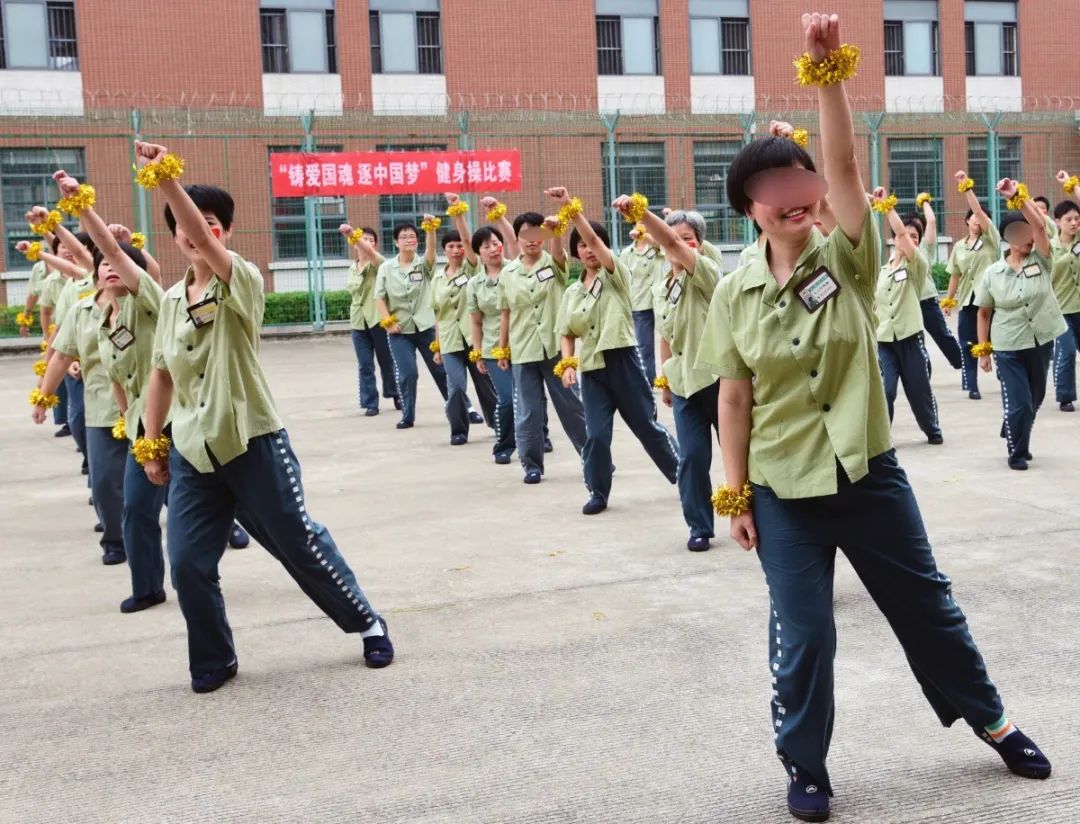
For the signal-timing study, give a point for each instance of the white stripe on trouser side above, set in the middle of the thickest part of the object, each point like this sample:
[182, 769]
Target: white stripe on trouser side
[926, 363]
[672, 442]
[311, 539]
[774, 661]
[1009, 442]
[397, 377]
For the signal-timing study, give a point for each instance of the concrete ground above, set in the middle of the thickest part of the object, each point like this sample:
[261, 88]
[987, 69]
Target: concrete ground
[551, 668]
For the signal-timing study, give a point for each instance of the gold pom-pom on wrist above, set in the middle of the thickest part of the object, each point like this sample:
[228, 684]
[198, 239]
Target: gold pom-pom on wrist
[923, 199]
[355, 236]
[885, 205]
[1069, 186]
[431, 225]
[51, 329]
[566, 216]
[801, 138]
[728, 502]
[639, 205]
[33, 254]
[979, 350]
[24, 319]
[150, 176]
[661, 382]
[48, 225]
[475, 355]
[965, 185]
[1021, 197]
[150, 450]
[119, 430]
[434, 346]
[563, 365]
[496, 212]
[457, 208]
[39, 368]
[839, 65]
[44, 345]
[138, 240]
[39, 398]
[388, 321]
[949, 303]
[500, 352]
[77, 203]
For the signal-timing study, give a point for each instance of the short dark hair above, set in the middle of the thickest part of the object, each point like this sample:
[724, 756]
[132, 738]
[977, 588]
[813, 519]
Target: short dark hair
[369, 231]
[575, 237]
[757, 156]
[82, 237]
[453, 236]
[404, 227]
[130, 251]
[210, 199]
[528, 219]
[482, 234]
[1064, 208]
[970, 212]
[1045, 201]
[916, 221]
[1009, 218]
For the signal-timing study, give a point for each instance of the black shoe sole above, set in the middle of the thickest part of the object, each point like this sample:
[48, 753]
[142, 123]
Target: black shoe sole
[805, 815]
[216, 685]
[379, 663]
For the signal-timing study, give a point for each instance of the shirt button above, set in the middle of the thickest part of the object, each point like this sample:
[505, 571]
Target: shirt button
[826, 407]
[190, 348]
[813, 373]
[201, 375]
[795, 342]
[783, 303]
[203, 403]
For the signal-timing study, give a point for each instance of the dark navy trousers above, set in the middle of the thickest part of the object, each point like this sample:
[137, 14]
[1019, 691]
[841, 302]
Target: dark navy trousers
[403, 349]
[143, 501]
[695, 420]
[503, 384]
[907, 361]
[967, 325]
[1065, 348]
[876, 523]
[645, 333]
[370, 346]
[107, 457]
[934, 323]
[1023, 387]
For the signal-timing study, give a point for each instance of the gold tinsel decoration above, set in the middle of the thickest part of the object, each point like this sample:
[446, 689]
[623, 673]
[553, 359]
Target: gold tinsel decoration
[563, 365]
[885, 205]
[1021, 197]
[728, 502]
[48, 225]
[150, 176]
[839, 65]
[119, 430]
[146, 450]
[75, 204]
[979, 350]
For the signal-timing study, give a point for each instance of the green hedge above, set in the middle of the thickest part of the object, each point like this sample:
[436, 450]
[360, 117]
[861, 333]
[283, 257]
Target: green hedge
[8, 329]
[941, 277]
[292, 307]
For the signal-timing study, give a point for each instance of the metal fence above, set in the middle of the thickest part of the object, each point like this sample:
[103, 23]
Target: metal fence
[672, 152]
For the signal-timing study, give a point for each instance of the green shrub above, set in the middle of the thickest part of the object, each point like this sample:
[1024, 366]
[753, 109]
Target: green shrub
[8, 329]
[293, 307]
[941, 277]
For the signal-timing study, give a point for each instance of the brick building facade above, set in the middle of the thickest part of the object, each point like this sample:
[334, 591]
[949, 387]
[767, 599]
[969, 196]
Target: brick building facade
[223, 83]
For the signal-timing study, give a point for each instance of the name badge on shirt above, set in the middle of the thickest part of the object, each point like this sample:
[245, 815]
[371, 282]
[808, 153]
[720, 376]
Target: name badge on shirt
[675, 293]
[416, 276]
[545, 274]
[817, 290]
[1032, 270]
[203, 313]
[900, 275]
[596, 288]
[978, 245]
[1076, 249]
[122, 337]
[649, 255]
[461, 280]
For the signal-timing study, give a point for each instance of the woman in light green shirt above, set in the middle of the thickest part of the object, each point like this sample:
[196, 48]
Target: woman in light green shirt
[808, 458]
[1019, 319]
[596, 310]
[646, 265]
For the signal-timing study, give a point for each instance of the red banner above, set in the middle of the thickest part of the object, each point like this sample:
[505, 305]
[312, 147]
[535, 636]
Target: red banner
[296, 174]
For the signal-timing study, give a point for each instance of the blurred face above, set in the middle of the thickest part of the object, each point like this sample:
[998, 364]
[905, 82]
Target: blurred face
[585, 254]
[406, 241]
[370, 240]
[1069, 224]
[109, 281]
[531, 240]
[455, 251]
[913, 234]
[491, 251]
[62, 252]
[686, 234]
[188, 249]
[786, 202]
[1042, 207]
[974, 227]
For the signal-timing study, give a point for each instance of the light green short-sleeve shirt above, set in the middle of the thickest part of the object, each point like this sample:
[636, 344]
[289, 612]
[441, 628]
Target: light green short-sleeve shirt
[38, 273]
[449, 295]
[78, 338]
[751, 253]
[899, 288]
[71, 293]
[969, 261]
[646, 268]
[682, 304]
[127, 348]
[361, 285]
[1051, 227]
[1067, 274]
[1026, 313]
[221, 397]
[599, 316]
[483, 300]
[406, 288]
[533, 294]
[50, 291]
[818, 395]
[712, 253]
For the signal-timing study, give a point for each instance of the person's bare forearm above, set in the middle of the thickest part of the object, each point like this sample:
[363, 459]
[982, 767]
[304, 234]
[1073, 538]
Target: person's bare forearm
[734, 404]
[984, 324]
[159, 395]
[504, 329]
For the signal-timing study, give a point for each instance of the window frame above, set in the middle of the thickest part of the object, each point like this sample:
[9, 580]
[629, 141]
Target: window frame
[1009, 65]
[52, 42]
[936, 186]
[935, 48]
[724, 52]
[423, 51]
[14, 222]
[329, 41]
[978, 168]
[618, 52]
[632, 182]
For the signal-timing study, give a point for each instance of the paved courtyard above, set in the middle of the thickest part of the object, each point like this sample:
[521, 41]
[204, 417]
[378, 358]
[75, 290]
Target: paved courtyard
[551, 668]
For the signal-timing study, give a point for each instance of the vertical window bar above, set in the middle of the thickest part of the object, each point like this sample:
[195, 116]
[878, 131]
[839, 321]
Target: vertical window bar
[376, 42]
[63, 44]
[735, 46]
[428, 43]
[275, 48]
[969, 48]
[331, 43]
[894, 48]
[1008, 39]
[609, 45]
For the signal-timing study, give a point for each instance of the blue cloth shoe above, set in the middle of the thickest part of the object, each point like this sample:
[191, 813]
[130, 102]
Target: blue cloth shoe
[459, 440]
[502, 460]
[1019, 753]
[238, 537]
[378, 650]
[112, 557]
[212, 680]
[533, 477]
[594, 506]
[370, 413]
[548, 446]
[698, 544]
[403, 425]
[475, 417]
[134, 604]
[805, 799]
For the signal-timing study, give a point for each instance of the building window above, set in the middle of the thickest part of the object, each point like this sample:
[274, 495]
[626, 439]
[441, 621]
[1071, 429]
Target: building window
[1009, 163]
[395, 209]
[627, 37]
[287, 220]
[298, 36]
[639, 167]
[38, 35]
[991, 44]
[719, 37]
[712, 159]
[911, 37]
[406, 37]
[25, 181]
[915, 165]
